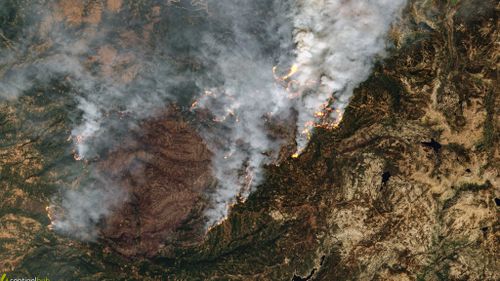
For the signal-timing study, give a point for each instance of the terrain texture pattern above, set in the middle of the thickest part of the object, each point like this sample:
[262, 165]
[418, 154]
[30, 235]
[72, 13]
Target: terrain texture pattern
[406, 188]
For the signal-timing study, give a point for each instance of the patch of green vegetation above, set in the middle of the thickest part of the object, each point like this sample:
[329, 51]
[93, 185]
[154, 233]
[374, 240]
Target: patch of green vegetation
[459, 149]
[65, 264]
[40, 123]
[443, 251]
[9, 21]
[4, 241]
[472, 187]
[380, 97]
[42, 218]
[14, 15]
[489, 133]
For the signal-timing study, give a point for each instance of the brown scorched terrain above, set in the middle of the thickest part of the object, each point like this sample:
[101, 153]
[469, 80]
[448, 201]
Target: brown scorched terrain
[165, 170]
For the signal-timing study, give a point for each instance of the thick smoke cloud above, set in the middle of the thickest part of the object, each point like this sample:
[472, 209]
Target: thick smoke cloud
[248, 97]
[337, 43]
[241, 47]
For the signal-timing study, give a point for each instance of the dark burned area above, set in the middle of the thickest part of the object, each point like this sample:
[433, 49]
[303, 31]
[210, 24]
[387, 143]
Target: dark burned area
[165, 170]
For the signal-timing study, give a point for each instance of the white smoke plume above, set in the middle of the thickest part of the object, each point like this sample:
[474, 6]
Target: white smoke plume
[333, 44]
[337, 44]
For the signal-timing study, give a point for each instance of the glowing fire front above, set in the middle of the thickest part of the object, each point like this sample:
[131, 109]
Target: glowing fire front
[326, 116]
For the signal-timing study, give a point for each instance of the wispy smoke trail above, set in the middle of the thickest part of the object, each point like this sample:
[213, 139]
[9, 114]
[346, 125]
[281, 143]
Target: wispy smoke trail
[333, 44]
[81, 210]
[248, 97]
[67, 55]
